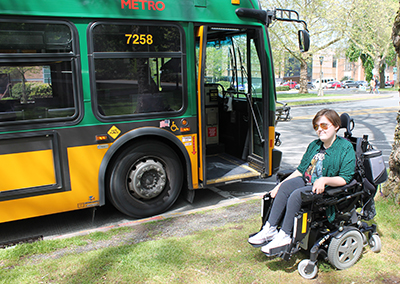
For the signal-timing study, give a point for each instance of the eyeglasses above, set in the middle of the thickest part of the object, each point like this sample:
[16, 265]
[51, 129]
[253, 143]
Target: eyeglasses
[324, 126]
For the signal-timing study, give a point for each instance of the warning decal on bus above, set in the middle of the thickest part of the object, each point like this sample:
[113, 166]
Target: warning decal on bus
[114, 132]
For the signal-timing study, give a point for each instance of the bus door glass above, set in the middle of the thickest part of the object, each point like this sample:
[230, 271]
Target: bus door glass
[232, 104]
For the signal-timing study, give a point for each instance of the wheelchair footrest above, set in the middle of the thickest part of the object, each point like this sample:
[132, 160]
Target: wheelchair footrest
[278, 251]
[259, 245]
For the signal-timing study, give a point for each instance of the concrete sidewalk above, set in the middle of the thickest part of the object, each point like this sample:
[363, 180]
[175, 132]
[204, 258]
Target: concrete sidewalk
[354, 95]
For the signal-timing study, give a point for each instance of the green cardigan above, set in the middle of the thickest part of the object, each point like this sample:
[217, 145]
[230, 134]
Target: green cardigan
[340, 159]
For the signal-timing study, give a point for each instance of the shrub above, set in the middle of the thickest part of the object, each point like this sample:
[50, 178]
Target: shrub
[17, 90]
[282, 88]
[33, 90]
[40, 90]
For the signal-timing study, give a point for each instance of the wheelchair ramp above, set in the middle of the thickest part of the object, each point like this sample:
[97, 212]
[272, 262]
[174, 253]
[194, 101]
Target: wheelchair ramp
[223, 168]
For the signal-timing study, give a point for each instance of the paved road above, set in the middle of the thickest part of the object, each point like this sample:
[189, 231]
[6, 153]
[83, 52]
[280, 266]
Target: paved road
[376, 118]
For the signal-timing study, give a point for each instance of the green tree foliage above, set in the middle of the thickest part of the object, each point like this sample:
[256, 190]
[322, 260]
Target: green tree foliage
[317, 14]
[353, 53]
[368, 27]
[364, 24]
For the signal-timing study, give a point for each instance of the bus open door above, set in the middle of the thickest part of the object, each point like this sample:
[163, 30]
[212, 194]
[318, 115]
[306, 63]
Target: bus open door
[234, 86]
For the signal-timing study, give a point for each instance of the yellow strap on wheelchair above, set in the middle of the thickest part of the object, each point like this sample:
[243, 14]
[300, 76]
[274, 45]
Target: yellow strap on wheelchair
[304, 225]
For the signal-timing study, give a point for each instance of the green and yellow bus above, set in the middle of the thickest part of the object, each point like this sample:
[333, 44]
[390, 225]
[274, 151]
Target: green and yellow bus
[132, 102]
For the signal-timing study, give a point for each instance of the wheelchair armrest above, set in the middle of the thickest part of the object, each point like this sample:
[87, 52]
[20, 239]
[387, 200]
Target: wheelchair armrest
[332, 191]
[329, 192]
[282, 175]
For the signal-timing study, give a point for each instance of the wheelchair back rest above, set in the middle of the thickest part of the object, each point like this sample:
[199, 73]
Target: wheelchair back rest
[347, 123]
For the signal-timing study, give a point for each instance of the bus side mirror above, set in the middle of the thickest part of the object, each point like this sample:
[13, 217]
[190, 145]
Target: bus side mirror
[304, 41]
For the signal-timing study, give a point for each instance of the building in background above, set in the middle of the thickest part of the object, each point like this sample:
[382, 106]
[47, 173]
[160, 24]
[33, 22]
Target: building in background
[338, 68]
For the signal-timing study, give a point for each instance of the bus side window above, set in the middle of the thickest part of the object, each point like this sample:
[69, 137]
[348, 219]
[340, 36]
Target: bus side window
[31, 96]
[36, 83]
[134, 77]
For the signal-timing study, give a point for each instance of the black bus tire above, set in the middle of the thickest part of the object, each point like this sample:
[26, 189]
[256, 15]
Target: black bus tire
[146, 179]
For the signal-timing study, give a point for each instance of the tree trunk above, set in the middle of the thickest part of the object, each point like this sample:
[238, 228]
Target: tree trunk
[396, 33]
[24, 98]
[392, 187]
[382, 78]
[396, 82]
[303, 75]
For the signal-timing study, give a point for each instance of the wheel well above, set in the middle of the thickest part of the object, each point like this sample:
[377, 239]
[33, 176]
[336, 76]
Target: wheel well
[145, 139]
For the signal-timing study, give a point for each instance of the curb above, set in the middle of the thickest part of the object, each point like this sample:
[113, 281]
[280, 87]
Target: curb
[160, 217]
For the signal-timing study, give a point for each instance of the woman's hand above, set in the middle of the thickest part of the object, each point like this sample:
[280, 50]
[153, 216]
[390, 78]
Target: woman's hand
[274, 191]
[319, 186]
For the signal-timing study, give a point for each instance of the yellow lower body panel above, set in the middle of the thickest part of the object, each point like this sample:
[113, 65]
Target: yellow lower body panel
[83, 164]
[25, 170]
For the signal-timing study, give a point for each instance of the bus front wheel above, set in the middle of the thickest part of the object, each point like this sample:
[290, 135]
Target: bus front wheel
[146, 179]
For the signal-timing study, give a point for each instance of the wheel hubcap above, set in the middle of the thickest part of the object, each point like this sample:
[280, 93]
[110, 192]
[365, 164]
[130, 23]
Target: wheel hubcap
[148, 179]
[348, 250]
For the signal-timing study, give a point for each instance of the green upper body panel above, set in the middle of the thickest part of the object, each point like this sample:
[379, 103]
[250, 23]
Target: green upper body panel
[221, 11]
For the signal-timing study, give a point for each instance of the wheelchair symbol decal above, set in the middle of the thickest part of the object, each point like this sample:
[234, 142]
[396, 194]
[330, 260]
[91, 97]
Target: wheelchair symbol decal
[174, 127]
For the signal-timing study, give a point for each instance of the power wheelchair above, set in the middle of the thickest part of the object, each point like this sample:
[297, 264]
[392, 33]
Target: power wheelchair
[332, 225]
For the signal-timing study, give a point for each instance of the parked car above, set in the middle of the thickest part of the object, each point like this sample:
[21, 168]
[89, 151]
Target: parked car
[334, 85]
[291, 84]
[389, 83]
[362, 83]
[349, 84]
[323, 83]
[310, 85]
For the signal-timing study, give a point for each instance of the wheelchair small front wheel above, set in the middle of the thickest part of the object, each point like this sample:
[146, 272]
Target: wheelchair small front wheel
[375, 243]
[346, 250]
[307, 269]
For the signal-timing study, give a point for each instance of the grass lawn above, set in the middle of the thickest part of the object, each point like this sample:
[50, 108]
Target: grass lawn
[291, 96]
[326, 99]
[219, 255]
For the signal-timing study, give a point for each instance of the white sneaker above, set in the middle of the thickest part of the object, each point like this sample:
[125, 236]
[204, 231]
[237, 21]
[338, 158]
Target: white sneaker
[281, 239]
[266, 234]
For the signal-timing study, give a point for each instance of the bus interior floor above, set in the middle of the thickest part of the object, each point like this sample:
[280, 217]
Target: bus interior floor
[224, 167]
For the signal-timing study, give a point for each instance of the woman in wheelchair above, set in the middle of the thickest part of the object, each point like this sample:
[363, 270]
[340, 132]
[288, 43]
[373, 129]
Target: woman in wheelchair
[328, 161]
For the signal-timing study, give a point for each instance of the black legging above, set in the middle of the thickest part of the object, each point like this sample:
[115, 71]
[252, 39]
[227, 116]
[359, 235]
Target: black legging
[288, 198]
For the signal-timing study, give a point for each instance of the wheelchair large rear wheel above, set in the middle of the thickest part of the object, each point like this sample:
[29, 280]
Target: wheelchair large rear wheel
[346, 250]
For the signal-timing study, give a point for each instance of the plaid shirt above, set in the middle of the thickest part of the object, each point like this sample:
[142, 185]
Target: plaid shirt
[340, 159]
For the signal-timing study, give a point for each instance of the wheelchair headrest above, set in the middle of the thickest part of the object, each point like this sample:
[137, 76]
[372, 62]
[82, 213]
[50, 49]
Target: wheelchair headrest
[347, 123]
